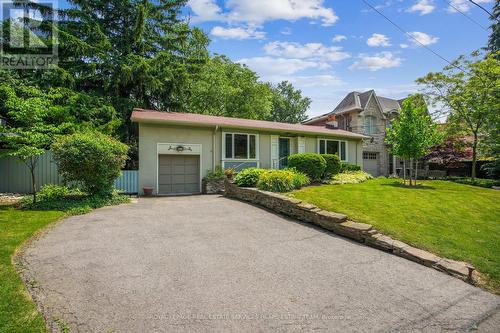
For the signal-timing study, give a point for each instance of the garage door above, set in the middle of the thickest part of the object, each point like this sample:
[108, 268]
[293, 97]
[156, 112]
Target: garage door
[370, 163]
[178, 174]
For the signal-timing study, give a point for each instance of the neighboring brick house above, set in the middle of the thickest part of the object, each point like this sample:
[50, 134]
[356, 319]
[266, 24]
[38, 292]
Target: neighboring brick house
[368, 114]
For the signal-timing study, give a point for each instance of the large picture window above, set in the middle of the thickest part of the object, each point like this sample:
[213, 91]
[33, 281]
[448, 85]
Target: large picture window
[333, 147]
[240, 146]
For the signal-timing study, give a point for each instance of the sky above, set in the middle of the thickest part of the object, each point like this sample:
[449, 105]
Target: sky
[329, 48]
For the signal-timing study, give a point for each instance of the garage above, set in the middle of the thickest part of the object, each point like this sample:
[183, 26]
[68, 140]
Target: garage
[370, 163]
[178, 174]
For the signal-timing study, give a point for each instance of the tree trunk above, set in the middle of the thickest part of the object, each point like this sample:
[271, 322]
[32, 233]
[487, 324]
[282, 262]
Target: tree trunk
[474, 157]
[404, 171]
[32, 166]
[416, 172]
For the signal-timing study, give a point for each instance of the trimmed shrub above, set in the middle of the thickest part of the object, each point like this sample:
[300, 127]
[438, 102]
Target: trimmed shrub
[350, 177]
[53, 192]
[313, 165]
[281, 180]
[333, 164]
[91, 159]
[344, 167]
[248, 177]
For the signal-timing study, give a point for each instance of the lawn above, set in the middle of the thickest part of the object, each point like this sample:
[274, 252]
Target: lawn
[17, 312]
[453, 220]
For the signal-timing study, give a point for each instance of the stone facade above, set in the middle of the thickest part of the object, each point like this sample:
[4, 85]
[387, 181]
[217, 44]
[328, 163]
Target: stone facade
[341, 225]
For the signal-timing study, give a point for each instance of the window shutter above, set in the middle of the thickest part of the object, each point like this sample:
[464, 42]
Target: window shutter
[301, 144]
[274, 151]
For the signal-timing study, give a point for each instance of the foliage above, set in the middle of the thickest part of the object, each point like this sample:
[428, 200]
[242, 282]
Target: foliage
[93, 159]
[492, 168]
[486, 183]
[350, 177]
[225, 88]
[248, 177]
[349, 167]
[313, 165]
[138, 53]
[75, 202]
[288, 105]
[333, 165]
[281, 180]
[451, 153]
[413, 133]
[446, 218]
[54, 111]
[50, 192]
[470, 91]
[494, 39]
[218, 173]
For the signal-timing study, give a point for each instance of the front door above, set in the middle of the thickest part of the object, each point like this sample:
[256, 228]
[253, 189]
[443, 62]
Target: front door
[284, 152]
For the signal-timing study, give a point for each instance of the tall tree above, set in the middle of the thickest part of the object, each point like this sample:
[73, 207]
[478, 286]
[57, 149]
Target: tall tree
[413, 133]
[137, 52]
[288, 104]
[469, 89]
[494, 40]
[225, 88]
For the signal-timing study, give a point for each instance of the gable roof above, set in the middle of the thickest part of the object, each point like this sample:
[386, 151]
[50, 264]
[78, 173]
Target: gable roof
[356, 101]
[201, 120]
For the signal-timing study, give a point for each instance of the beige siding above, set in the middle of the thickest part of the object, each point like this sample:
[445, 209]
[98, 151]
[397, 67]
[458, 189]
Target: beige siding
[152, 134]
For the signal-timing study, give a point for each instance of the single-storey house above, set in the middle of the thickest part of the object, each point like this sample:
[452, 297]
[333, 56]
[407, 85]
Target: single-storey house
[176, 150]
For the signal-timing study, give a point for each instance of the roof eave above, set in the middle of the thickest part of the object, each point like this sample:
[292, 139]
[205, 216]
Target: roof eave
[255, 128]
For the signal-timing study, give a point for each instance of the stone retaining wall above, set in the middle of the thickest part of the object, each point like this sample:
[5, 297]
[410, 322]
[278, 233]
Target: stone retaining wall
[341, 225]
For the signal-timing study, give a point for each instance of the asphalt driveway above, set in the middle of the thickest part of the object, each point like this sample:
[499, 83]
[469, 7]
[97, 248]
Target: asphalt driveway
[207, 263]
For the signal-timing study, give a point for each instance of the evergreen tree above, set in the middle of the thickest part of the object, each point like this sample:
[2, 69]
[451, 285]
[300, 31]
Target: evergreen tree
[494, 40]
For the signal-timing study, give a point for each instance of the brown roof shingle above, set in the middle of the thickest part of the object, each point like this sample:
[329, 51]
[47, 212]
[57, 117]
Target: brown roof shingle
[178, 118]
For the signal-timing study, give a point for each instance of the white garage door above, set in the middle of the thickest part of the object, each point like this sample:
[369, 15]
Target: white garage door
[370, 163]
[178, 174]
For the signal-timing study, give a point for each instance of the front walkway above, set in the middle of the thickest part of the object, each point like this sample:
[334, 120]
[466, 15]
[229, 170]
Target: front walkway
[207, 263]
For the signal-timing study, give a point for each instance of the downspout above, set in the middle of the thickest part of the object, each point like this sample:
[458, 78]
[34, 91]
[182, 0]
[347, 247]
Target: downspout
[213, 147]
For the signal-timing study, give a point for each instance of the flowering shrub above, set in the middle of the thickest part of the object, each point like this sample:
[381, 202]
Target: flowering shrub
[350, 177]
[282, 180]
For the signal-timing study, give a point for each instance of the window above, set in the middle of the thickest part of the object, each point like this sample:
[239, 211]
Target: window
[240, 146]
[333, 147]
[369, 155]
[370, 125]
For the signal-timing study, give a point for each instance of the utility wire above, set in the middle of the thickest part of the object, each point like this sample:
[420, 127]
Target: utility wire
[412, 37]
[467, 16]
[490, 14]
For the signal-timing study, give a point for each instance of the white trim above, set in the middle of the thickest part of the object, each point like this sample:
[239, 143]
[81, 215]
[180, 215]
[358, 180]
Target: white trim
[274, 150]
[340, 152]
[301, 144]
[257, 150]
[197, 151]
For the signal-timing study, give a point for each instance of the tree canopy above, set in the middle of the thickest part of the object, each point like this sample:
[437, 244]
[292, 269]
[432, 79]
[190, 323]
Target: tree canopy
[469, 90]
[288, 104]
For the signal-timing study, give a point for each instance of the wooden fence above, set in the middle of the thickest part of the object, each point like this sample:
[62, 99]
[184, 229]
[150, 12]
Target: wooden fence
[16, 178]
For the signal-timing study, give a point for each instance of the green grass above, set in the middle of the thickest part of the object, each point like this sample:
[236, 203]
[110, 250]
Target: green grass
[17, 312]
[453, 220]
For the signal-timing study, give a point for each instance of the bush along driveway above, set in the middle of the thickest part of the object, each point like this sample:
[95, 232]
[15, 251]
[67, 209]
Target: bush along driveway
[363, 232]
[451, 220]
